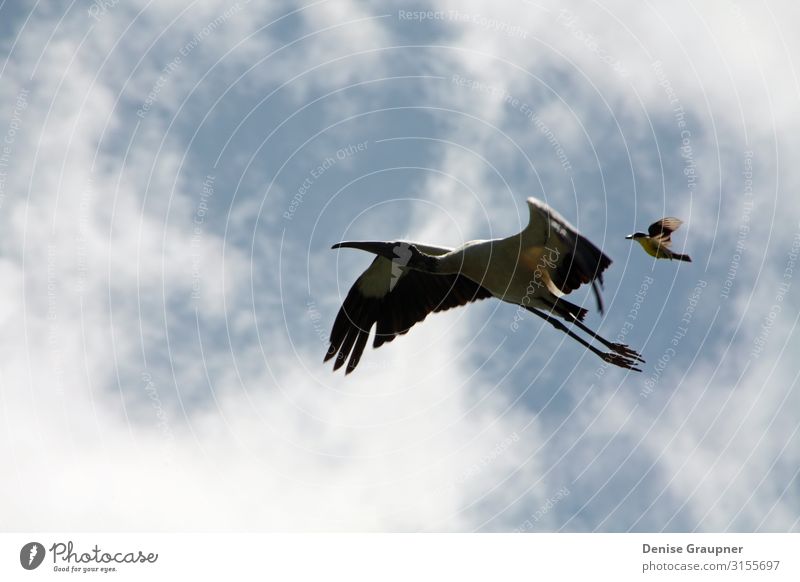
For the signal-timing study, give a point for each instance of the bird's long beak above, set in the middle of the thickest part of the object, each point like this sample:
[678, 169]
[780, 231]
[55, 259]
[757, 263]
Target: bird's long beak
[630, 236]
[380, 248]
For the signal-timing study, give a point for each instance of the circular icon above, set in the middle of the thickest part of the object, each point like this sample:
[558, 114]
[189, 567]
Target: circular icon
[31, 555]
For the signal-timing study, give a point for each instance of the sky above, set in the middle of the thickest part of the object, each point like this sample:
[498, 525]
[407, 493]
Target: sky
[172, 177]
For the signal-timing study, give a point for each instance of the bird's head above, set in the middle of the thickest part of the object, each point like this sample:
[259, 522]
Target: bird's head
[636, 236]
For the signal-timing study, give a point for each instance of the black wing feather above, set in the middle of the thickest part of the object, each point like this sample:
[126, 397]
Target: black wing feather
[663, 229]
[415, 295]
[584, 264]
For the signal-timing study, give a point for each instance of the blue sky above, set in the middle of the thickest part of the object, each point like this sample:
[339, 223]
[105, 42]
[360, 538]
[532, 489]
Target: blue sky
[174, 177]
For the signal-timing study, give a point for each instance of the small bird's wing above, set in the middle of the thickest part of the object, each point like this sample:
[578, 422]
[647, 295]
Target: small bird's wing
[577, 260]
[662, 229]
[394, 298]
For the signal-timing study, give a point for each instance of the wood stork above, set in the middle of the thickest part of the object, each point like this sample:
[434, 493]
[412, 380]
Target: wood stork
[532, 269]
[656, 243]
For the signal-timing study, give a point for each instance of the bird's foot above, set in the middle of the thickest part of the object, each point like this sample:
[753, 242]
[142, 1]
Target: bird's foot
[624, 350]
[621, 361]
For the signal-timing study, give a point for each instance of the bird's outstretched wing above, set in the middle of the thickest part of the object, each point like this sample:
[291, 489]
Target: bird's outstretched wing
[394, 298]
[662, 229]
[577, 260]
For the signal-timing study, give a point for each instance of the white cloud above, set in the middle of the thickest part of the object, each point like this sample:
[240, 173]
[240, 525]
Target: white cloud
[108, 441]
[248, 436]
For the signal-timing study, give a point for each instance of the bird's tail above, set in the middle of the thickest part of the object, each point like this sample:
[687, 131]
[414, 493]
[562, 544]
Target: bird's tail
[679, 257]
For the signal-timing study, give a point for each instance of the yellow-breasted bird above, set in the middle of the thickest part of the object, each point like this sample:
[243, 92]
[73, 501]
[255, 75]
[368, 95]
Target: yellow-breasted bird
[656, 242]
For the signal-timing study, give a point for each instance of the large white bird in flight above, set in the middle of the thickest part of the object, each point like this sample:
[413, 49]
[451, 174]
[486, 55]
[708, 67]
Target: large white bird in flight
[533, 269]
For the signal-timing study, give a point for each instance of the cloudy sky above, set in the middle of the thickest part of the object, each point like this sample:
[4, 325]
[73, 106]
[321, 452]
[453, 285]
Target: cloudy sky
[172, 178]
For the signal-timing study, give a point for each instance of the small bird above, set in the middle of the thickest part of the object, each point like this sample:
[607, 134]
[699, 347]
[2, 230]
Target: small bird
[656, 243]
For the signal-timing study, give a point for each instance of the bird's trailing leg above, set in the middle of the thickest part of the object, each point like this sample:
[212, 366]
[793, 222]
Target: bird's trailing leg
[616, 358]
[621, 349]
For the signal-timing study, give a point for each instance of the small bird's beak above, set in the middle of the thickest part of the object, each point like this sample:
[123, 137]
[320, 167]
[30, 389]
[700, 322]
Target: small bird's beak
[630, 236]
[380, 248]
